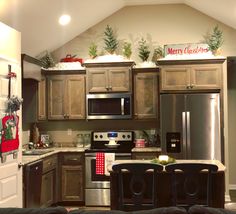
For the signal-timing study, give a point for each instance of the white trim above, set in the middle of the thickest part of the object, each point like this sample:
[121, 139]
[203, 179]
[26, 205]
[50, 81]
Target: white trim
[227, 198]
[232, 186]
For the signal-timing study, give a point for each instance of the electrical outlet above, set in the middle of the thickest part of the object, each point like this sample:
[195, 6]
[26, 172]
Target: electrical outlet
[153, 131]
[69, 131]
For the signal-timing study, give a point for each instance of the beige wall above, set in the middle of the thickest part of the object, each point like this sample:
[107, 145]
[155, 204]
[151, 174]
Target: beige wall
[159, 25]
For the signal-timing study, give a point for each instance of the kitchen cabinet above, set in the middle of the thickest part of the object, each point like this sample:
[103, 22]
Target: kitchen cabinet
[49, 181]
[32, 106]
[42, 115]
[191, 75]
[66, 96]
[146, 93]
[72, 177]
[108, 77]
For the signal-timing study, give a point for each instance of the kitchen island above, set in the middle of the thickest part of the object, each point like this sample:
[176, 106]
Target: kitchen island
[164, 180]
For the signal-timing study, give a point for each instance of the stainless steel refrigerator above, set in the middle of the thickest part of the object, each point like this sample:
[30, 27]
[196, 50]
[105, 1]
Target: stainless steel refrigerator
[190, 126]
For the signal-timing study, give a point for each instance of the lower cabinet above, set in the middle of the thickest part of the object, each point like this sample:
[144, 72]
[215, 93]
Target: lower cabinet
[72, 177]
[49, 181]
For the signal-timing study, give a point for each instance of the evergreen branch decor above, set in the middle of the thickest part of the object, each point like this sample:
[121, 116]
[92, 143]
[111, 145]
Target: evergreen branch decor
[111, 43]
[215, 39]
[127, 51]
[93, 50]
[144, 51]
[47, 60]
[158, 53]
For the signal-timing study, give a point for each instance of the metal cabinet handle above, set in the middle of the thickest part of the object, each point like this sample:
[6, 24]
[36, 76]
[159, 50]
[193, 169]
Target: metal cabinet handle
[73, 159]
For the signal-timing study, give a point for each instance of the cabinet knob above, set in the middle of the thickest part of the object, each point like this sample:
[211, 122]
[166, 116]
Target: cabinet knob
[107, 88]
[110, 87]
[192, 85]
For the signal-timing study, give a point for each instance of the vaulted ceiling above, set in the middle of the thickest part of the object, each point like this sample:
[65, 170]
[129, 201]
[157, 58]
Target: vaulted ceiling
[37, 20]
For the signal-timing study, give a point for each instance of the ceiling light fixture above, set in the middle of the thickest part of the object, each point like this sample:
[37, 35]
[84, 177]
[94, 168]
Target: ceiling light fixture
[64, 19]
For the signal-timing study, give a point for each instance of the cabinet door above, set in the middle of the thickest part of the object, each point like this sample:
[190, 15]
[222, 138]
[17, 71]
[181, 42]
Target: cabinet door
[72, 183]
[175, 78]
[119, 79]
[145, 95]
[206, 77]
[56, 87]
[75, 97]
[42, 99]
[97, 80]
[47, 189]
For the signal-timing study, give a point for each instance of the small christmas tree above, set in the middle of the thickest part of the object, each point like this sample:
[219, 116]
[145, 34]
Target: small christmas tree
[127, 50]
[93, 50]
[47, 60]
[111, 43]
[158, 53]
[215, 40]
[144, 51]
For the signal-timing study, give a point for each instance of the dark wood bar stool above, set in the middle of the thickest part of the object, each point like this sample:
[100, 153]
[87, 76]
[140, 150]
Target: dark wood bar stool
[141, 181]
[191, 183]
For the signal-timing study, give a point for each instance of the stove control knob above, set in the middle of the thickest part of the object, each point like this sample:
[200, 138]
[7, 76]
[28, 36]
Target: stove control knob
[123, 136]
[96, 136]
[128, 136]
[101, 136]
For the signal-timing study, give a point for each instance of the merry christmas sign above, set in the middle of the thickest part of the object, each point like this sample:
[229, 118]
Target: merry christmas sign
[187, 50]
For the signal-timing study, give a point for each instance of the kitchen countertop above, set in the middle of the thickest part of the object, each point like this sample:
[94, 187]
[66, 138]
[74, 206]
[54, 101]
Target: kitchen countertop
[221, 167]
[147, 149]
[31, 158]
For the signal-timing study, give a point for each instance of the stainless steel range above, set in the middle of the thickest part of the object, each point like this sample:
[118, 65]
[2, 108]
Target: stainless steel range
[97, 186]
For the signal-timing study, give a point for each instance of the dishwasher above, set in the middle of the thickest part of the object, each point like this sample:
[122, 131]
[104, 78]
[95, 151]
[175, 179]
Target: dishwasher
[32, 183]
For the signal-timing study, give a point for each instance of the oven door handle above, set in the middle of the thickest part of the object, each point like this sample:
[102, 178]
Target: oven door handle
[93, 154]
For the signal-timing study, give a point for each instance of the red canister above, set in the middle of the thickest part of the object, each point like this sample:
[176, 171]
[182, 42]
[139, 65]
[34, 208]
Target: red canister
[140, 143]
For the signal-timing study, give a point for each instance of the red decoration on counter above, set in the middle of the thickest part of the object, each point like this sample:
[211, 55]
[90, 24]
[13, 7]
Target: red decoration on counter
[70, 58]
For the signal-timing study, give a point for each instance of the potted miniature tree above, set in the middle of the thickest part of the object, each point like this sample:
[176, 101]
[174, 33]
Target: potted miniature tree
[93, 50]
[127, 51]
[111, 43]
[215, 40]
[143, 49]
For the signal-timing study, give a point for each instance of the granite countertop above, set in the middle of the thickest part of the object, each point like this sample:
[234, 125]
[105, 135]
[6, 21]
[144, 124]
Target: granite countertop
[221, 167]
[147, 149]
[31, 158]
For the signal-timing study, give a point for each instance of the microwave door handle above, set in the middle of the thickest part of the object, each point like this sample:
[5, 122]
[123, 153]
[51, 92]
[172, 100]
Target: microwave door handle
[122, 105]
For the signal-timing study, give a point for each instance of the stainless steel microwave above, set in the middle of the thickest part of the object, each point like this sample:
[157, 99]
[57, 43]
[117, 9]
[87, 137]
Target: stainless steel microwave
[109, 106]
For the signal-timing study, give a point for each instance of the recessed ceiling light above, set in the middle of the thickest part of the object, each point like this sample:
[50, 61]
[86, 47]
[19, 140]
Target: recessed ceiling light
[64, 19]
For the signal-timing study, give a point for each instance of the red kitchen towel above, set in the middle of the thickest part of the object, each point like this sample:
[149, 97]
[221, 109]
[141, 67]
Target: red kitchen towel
[100, 161]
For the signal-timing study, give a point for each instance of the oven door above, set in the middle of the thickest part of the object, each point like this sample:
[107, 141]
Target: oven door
[97, 187]
[92, 179]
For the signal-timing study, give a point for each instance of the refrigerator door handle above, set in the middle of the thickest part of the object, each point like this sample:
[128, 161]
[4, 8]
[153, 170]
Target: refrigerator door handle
[188, 144]
[184, 146]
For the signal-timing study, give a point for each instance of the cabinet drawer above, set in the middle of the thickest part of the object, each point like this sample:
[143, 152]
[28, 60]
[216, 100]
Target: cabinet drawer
[49, 163]
[73, 159]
